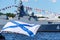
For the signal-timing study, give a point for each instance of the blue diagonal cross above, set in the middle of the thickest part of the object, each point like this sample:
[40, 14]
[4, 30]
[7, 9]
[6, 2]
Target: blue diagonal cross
[22, 27]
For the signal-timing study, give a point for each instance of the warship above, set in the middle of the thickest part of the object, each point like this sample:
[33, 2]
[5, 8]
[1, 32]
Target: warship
[49, 29]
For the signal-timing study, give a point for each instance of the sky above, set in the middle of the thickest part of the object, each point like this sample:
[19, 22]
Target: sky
[47, 5]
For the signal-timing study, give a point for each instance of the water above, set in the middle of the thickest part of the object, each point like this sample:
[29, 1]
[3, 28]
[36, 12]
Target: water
[38, 36]
[44, 33]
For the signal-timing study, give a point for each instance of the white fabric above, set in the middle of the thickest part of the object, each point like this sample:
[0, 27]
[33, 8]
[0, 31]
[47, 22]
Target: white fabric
[34, 28]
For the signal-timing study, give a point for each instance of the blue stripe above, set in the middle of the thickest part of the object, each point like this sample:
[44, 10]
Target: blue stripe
[9, 27]
[21, 24]
[22, 27]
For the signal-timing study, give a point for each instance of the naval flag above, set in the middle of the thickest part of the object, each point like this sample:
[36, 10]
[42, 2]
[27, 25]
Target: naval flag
[21, 27]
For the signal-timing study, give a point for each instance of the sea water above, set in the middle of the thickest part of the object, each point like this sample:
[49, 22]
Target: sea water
[38, 36]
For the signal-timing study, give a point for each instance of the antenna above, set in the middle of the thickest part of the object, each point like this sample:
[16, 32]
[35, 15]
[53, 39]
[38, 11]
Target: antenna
[15, 1]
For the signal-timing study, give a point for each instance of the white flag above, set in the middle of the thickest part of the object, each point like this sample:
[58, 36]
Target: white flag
[21, 27]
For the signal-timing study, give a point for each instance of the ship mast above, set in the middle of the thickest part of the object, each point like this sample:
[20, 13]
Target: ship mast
[20, 9]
